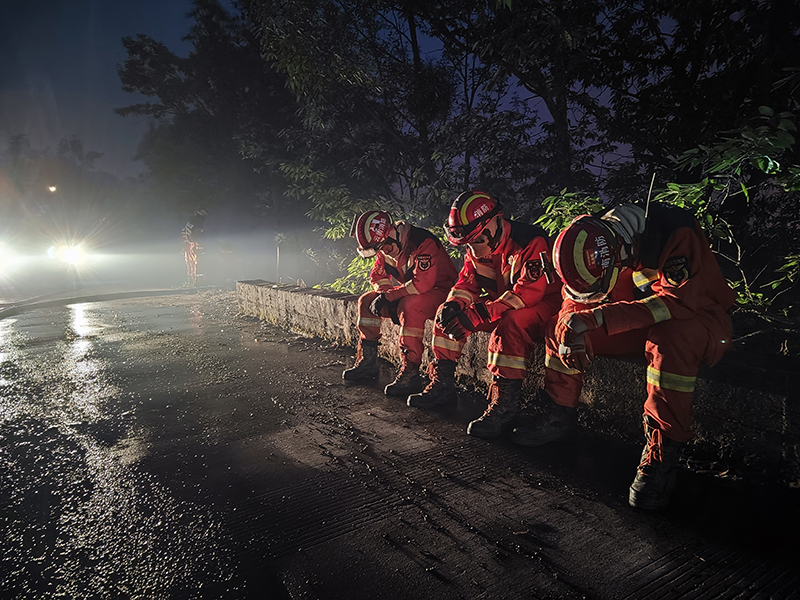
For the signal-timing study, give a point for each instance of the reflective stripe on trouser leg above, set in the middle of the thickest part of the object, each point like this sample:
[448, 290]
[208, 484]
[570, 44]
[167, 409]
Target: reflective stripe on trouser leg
[674, 351]
[564, 384]
[512, 340]
[561, 383]
[445, 348]
[368, 324]
[412, 312]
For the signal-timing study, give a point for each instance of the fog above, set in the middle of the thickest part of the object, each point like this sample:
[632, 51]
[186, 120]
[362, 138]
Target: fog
[154, 264]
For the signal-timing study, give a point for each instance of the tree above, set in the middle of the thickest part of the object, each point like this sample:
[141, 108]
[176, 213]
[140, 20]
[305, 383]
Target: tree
[217, 132]
[391, 118]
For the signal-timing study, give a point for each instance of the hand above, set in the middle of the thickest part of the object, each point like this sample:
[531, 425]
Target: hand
[447, 313]
[578, 354]
[459, 327]
[378, 304]
[466, 321]
[577, 323]
[392, 308]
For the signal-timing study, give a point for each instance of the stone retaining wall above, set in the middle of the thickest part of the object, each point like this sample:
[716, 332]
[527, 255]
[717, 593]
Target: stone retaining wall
[747, 420]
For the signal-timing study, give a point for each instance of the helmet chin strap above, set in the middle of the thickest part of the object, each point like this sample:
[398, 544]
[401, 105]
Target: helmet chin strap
[494, 240]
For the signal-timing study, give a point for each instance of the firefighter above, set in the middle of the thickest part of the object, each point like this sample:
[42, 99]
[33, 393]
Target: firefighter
[191, 235]
[417, 260]
[502, 289]
[636, 280]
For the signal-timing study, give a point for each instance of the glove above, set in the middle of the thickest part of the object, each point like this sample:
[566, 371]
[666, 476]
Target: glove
[466, 321]
[578, 354]
[381, 303]
[447, 313]
[577, 323]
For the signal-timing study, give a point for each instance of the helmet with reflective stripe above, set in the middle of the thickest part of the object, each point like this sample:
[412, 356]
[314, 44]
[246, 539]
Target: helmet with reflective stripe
[586, 256]
[470, 213]
[371, 230]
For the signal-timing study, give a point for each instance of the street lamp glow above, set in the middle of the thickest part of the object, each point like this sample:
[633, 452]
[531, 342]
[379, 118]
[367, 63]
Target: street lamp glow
[72, 256]
[52, 188]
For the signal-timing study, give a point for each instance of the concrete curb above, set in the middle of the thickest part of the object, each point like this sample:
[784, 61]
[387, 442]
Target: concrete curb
[747, 419]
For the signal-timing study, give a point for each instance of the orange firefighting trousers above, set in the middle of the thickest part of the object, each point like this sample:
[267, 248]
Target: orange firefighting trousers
[674, 350]
[510, 345]
[412, 312]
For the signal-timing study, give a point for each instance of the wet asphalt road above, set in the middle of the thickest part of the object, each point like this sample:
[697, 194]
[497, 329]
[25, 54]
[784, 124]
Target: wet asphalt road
[167, 448]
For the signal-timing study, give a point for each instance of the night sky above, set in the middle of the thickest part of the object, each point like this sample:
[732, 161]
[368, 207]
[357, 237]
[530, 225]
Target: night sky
[58, 71]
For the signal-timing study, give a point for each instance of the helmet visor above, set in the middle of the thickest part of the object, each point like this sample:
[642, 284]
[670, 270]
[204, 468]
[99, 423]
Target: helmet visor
[598, 291]
[463, 234]
[460, 233]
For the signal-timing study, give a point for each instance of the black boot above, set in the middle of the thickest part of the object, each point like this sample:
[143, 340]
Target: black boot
[542, 428]
[366, 366]
[655, 478]
[442, 387]
[503, 402]
[407, 381]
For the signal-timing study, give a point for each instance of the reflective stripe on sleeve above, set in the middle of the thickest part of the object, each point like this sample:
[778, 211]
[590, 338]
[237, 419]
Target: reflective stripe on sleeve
[658, 308]
[643, 278]
[484, 270]
[670, 381]
[464, 295]
[512, 300]
[411, 288]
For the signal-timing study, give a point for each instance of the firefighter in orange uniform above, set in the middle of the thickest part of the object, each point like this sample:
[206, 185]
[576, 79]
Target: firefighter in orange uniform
[502, 289]
[192, 236]
[416, 259]
[636, 281]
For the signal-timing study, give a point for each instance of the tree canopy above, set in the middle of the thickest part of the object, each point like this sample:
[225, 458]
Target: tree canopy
[344, 105]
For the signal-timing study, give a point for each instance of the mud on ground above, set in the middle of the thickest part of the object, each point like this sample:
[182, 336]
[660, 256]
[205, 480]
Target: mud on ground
[170, 448]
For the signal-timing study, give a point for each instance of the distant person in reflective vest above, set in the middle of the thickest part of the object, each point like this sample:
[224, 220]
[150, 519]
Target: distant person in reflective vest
[192, 235]
[502, 288]
[410, 278]
[636, 282]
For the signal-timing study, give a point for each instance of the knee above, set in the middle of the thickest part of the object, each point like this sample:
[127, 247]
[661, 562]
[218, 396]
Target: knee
[365, 299]
[688, 337]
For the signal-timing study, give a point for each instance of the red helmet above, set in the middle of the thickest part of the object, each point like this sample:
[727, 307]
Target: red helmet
[586, 256]
[371, 230]
[469, 214]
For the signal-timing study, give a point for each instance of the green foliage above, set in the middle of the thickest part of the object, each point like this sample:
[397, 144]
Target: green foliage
[562, 208]
[746, 165]
[747, 199]
[357, 279]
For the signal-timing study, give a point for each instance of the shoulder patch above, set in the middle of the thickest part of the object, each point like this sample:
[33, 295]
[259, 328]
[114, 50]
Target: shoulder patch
[533, 269]
[676, 270]
[423, 262]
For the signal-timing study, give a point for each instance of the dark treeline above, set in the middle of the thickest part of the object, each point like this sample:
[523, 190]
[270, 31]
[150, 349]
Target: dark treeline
[307, 111]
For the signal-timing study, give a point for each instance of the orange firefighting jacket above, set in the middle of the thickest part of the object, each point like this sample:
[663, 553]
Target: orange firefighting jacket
[512, 277]
[676, 277]
[422, 266]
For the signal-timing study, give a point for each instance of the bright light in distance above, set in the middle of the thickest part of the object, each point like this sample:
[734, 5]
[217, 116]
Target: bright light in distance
[73, 256]
[52, 188]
